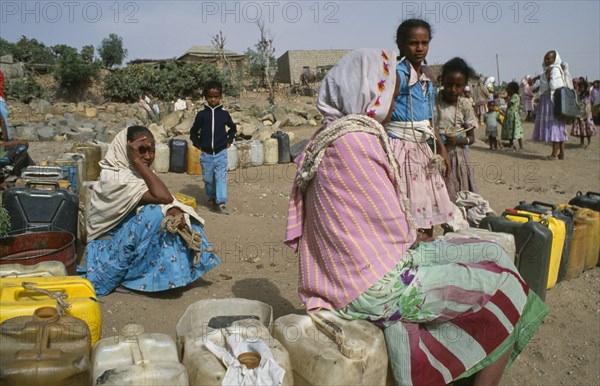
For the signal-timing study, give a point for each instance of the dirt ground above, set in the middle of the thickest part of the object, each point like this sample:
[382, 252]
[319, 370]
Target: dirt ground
[256, 265]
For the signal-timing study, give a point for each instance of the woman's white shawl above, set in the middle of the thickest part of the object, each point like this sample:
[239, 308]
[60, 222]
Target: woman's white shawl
[119, 191]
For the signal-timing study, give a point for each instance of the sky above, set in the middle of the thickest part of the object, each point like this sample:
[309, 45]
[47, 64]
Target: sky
[518, 33]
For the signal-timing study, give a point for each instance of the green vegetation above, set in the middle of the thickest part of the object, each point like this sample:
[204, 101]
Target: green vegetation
[25, 89]
[171, 81]
[111, 51]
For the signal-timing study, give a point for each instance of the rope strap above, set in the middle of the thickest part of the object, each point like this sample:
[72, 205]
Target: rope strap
[61, 304]
[192, 238]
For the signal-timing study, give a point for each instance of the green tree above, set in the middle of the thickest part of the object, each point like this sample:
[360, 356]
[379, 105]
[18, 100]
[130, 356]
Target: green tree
[32, 51]
[6, 47]
[87, 53]
[73, 72]
[111, 51]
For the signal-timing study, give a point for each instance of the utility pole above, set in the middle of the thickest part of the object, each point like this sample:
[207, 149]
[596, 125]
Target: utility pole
[497, 69]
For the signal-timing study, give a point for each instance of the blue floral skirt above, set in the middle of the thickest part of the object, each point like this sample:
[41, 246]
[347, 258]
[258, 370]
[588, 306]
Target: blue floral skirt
[139, 255]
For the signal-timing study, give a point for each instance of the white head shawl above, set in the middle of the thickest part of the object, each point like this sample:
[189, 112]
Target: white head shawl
[362, 82]
[119, 191]
[556, 80]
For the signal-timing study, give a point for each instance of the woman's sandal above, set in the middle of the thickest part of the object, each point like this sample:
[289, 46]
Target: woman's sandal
[561, 156]
[551, 158]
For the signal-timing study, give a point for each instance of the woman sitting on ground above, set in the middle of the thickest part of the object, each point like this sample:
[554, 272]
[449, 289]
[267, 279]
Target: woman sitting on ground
[448, 311]
[141, 237]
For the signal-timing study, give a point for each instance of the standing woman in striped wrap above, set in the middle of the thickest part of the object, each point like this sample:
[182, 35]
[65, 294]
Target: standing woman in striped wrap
[449, 309]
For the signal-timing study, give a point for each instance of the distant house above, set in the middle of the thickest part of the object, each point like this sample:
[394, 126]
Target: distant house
[294, 63]
[208, 54]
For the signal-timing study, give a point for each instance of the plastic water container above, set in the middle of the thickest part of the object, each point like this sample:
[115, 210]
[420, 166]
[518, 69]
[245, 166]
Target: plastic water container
[45, 349]
[85, 195]
[244, 159]
[327, 350]
[214, 319]
[161, 158]
[137, 358]
[578, 250]
[232, 157]
[93, 155]
[17, 300]
[77, 165]
[592, 218]
[194, 167]
[43, 269]
[257, 153]
[186, 200]
[283, 144]
[505, 240]
[271, 151]
[178, 156]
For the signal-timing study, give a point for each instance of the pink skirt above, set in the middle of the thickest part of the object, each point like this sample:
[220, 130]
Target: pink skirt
[426, 189]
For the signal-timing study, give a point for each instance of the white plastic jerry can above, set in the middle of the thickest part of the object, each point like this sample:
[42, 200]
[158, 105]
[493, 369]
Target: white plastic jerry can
[271, 151]
[42, 269]
[213, 320]
[161, 158]
[204, 368]
[232, 157]
[137, 358]
[327, 350]
[257, 153]
[506, 241]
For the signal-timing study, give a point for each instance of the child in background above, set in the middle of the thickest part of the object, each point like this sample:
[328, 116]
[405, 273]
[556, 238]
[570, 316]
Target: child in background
[209, 133]
[456, 120]
[512, 128]
[491, 126]
[583, 126]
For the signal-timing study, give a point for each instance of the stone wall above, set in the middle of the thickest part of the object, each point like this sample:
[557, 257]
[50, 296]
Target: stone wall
[291, 64]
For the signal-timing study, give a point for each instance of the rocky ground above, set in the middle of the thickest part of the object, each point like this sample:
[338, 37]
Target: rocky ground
[255, 265]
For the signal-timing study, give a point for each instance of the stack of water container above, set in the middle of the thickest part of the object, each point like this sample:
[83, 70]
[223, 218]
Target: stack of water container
[551, 242]
[180, 155]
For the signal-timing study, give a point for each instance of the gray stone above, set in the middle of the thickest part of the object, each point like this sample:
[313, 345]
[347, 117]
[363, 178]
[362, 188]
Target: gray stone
[313, 113]
[280, 115]
[80, 136]
[184, 127]
[69, 117]
[263, 133]
[268, 117]
[172, 120]
[41, 106]
[295, 120]
[27, 133]
[312, 122]
[246, 129]
[106, 136]
[46, 133]
[158, 132]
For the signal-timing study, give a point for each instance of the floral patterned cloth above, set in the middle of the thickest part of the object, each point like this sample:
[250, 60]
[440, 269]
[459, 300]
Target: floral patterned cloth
[451, 308]
[512, 127]
[139, 255]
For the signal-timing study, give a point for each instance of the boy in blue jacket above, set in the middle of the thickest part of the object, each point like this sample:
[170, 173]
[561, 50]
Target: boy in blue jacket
[209, 133]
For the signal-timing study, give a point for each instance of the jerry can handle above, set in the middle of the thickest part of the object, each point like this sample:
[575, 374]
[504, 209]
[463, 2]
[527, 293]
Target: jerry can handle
[31, 183]
[61, 304]
[544, 204]
[349, 348]
[592, 194]
[516, 214]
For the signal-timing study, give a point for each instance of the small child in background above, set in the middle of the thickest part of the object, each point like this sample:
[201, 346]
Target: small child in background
[583, 126]
[512, 128]
[209, 133]
[491, 126]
